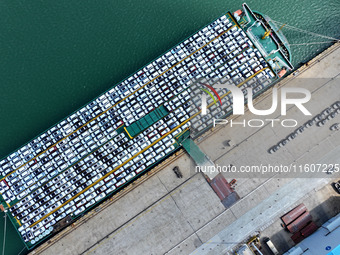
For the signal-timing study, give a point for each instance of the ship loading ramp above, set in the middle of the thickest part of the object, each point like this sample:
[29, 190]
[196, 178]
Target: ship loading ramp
[202, 161]
[215, 179]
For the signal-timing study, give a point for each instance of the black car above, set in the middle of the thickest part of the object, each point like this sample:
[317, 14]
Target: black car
[336, 186]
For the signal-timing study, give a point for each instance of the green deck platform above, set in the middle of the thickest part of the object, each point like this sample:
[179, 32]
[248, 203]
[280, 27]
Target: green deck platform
[147, 121]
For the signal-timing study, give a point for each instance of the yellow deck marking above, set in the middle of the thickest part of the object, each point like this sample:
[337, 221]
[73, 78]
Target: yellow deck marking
[17, 221]
[128, 133]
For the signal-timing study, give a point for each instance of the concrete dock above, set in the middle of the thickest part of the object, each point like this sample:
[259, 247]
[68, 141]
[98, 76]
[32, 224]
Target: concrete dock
[169, 215]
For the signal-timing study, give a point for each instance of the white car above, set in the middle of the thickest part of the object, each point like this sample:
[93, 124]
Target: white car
[159, 156]
[8, 196]
[111, 183]
[129, 176]
[109, 190]
[100, 197]
[70, 210]
[91, 202]
[168, 150]
[79, 210]
[90, 196]
[121, 182]
[160, 149]
[145, 144]
[150, 162]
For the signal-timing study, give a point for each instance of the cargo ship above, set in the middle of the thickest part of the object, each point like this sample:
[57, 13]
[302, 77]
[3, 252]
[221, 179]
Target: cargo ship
[87, 157]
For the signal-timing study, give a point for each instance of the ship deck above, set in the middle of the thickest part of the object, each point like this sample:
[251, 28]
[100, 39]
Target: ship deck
[269, 47]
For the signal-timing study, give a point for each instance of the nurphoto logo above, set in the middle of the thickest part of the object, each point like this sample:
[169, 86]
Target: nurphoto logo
[238, 103]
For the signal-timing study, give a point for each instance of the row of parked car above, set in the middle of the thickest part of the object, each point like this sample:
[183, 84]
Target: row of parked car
[319, 120]
[60, 187]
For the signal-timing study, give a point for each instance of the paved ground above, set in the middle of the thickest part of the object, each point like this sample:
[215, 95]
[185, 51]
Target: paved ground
[179, 216]
[314, 145]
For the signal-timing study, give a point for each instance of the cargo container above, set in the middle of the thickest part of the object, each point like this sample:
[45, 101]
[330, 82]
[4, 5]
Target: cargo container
[309, 229]
[297, 237]
[293, 214]
[300, 222]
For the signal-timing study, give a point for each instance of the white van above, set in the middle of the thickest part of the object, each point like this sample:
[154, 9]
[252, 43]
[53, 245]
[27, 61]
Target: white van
[270, 246]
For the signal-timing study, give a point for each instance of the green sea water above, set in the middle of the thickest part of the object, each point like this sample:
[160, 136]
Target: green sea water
[55, 56]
